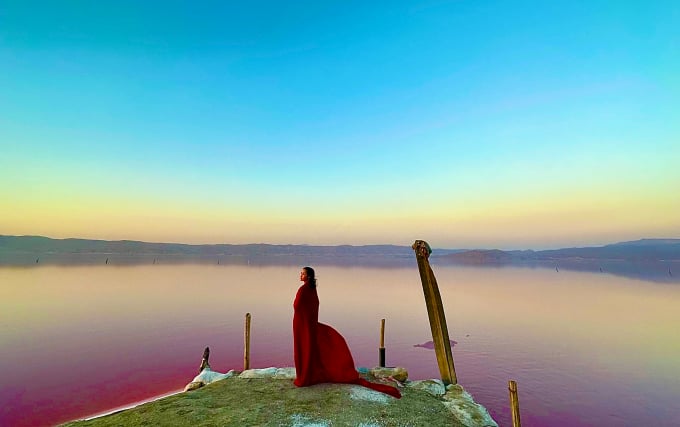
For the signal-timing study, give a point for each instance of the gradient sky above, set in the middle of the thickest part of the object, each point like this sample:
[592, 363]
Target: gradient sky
[464, 123]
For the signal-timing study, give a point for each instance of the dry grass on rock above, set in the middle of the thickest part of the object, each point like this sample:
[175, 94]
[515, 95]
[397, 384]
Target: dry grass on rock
[269, 402]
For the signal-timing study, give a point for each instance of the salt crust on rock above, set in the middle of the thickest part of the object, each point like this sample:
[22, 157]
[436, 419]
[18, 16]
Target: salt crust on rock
[206, 377]
[435, 387]
[258, 373]
[285, 374]
[299, 420]
[463, 406]
[275, 373]
[363, 393]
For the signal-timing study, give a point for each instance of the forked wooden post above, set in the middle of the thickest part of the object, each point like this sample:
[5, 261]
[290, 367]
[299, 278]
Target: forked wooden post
[514, 404]
[435, 313]
[381, 350]
[246, 344]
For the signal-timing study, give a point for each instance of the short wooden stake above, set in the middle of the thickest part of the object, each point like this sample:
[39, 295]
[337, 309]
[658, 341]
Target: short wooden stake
[514, 404]
[204, 361]
[246, 344]
[381, 350]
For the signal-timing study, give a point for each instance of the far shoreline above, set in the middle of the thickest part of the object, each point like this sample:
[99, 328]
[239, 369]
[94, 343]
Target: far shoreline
[661, 271]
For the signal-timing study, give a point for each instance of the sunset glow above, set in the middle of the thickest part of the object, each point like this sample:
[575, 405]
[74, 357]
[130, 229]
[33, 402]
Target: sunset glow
[504, 125]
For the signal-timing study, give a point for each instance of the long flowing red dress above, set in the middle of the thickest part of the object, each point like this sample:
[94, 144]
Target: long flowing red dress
[321, 353]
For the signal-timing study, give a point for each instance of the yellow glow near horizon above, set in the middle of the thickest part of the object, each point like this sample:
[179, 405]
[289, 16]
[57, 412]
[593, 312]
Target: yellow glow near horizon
[512, 221]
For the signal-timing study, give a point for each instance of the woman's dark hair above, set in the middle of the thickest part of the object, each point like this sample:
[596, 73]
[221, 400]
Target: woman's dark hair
[311, 277]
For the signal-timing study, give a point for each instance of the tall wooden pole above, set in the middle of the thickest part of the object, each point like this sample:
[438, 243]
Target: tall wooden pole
[514, 404]
[246, 344]
[435, 313]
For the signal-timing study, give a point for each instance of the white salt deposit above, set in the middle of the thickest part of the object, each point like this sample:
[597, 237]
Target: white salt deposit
[363, 393]
[434, 386]
[208, 376]
[299, 420]
[285, 374]
[259, 373]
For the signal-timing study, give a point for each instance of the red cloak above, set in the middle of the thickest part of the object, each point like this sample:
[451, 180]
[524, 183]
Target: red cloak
[321, 353]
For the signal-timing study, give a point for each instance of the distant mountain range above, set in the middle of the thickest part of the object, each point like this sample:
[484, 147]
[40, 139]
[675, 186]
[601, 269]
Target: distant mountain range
[638, 250]
[647, 259]
[36, 245]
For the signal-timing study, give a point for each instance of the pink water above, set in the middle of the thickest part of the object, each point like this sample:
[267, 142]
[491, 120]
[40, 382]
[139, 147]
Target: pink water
[585, 349]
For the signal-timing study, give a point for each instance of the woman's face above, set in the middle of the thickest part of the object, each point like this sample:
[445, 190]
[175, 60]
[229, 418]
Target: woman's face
[303, 275]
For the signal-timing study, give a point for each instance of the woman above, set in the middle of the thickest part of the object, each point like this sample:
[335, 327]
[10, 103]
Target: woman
[321, 353]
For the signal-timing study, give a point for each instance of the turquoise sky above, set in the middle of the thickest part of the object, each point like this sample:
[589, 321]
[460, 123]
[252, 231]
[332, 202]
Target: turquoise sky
[467, 124]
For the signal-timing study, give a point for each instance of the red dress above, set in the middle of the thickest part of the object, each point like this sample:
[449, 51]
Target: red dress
[321, 353]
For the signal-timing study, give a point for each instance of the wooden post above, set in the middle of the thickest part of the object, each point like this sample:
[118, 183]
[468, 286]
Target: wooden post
[381, 350]
[514, 404]
[435, 313]
[246, 344]
[204, 361]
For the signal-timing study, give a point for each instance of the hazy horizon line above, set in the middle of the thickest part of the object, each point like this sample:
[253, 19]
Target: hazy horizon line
[333, 245]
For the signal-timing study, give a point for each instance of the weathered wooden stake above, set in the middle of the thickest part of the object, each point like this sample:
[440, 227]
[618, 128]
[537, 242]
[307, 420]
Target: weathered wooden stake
[435, 313]
[204, 361]
[514, 403]
[246, 344]
[381, 350]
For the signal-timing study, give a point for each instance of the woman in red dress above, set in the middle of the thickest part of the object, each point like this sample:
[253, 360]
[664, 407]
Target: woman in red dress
[321, 353]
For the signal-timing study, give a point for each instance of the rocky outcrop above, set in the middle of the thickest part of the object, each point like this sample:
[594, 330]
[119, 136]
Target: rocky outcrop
[394, 374]
[453, 398]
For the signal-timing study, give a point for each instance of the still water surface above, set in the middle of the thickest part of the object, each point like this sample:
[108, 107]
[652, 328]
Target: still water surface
[585, 349]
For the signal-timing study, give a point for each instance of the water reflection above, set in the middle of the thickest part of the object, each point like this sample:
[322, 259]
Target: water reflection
[655, 271]
[82, 339]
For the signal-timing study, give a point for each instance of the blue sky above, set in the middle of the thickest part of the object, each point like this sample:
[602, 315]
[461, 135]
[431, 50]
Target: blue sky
[465, 123]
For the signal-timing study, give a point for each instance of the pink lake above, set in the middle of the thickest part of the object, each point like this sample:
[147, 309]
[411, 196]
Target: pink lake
[586, 349]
